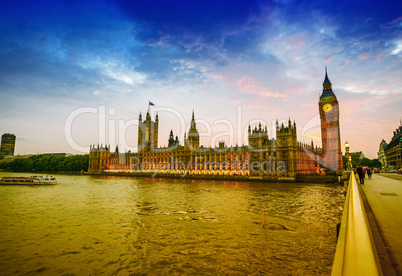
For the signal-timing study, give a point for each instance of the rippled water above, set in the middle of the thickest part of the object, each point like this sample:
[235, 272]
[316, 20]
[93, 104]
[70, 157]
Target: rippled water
[88, 225]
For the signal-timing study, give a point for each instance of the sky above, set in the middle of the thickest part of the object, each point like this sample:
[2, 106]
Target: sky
[78, 73]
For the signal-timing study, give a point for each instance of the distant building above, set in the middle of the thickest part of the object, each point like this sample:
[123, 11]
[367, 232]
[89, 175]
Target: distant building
[7, 145]
[394, 149]
[382, 157]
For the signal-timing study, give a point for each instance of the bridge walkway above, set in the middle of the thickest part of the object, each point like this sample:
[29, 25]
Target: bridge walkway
[384, 197]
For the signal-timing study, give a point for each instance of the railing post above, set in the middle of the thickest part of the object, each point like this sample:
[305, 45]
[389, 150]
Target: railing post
[355, 251]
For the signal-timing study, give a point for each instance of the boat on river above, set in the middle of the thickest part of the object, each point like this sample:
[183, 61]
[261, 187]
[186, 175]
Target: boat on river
[31, 180]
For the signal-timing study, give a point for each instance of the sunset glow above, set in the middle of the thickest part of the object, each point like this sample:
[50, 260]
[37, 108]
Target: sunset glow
[268, 57]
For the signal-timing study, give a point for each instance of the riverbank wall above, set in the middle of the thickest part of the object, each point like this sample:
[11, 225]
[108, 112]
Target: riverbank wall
[281, 179]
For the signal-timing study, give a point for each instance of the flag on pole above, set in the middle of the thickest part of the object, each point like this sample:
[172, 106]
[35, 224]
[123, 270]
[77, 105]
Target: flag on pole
[151, 103]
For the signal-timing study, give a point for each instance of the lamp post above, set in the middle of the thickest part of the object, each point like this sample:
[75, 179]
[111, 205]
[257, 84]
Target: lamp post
[349, 158]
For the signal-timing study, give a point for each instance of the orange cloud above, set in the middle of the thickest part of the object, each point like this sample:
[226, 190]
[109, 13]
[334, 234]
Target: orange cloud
[395, 80]
[347, 61]
[379, 56]
[219, 77]
[328, 59]
[248, 85]
[385, 102]
[364, 56]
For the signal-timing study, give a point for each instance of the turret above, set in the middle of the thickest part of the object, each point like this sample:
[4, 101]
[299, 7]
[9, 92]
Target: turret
[193, 121]
[258, 137]
[147, 133]
[193, 135]
[171, 141]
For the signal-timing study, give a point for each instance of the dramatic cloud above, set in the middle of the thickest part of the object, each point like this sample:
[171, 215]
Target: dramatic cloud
[267, 57]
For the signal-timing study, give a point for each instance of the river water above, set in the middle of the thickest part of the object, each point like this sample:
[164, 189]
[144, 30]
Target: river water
[93, 225]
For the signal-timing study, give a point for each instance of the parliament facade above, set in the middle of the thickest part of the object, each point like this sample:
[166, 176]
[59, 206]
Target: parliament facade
[264, 157]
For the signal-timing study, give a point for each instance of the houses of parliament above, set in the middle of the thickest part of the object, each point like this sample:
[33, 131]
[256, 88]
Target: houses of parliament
[282, 157]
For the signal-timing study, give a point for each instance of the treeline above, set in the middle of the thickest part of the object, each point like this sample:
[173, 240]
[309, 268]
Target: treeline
[48, 163]
[365, 162]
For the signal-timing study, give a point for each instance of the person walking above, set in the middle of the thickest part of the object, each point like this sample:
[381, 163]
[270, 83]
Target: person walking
[369, 172]
[359, 170]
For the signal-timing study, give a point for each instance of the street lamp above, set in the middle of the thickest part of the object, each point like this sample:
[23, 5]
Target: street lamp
[349, 158]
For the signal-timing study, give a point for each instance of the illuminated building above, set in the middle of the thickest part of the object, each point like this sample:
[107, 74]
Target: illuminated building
[282, 157]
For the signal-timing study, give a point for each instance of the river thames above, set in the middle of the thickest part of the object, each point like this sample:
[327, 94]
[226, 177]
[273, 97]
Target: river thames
[94, 225]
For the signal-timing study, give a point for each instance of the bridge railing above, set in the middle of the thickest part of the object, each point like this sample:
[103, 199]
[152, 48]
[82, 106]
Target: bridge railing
[355, 251]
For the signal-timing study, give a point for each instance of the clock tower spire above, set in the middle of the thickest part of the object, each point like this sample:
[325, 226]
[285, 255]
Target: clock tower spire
[330, 132]
[327, 86]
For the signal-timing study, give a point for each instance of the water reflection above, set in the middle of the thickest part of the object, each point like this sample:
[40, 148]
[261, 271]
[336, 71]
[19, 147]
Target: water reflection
[110, 225]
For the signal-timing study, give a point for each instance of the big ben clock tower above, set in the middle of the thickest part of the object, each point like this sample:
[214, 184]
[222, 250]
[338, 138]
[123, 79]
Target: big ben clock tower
[330, 133]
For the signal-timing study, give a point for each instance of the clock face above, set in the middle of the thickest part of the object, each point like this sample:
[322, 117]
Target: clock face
[327, 107]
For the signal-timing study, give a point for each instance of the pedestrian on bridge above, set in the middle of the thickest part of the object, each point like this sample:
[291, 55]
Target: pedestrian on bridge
[369, 172]
[359, 170]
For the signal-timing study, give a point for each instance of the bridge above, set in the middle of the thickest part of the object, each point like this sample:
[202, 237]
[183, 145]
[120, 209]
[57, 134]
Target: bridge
[370, 240]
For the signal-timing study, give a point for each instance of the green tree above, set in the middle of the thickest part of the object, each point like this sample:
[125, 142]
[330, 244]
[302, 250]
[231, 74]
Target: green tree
[375, 163]
[345, 160]
[48, 163]
[365, 162]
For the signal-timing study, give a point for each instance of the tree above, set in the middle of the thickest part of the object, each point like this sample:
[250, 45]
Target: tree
[48, 163]
[365, 162]
[375, 163]
[345, 161]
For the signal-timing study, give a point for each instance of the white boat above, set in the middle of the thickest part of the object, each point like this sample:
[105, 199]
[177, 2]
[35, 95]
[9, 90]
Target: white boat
[31, 180]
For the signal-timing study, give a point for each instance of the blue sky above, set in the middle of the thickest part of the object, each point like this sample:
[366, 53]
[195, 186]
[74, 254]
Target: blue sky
[264, 60]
